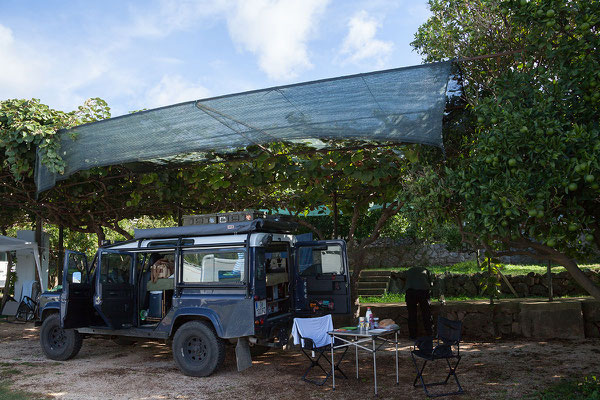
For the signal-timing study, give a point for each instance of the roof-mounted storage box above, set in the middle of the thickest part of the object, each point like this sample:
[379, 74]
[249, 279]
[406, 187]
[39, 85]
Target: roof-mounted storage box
[223, 218]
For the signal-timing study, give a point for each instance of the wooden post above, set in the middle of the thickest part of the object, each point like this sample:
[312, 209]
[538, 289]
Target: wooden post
[550, 291]
[512, 289]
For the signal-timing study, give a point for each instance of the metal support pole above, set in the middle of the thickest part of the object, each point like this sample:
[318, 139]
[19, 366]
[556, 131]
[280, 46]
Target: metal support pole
[356, 354]
[397, 381]
[375, 365]
[550, 291]
[332, 364]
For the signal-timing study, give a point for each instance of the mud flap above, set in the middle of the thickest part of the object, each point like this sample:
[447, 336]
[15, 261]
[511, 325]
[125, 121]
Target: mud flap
[242, 354]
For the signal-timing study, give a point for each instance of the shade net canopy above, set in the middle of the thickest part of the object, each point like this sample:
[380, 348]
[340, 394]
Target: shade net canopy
[403, 105]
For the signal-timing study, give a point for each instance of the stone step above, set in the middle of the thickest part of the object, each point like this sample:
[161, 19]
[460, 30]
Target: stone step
[371, 292]
[370, 273]
[372, 285]
[374, 279]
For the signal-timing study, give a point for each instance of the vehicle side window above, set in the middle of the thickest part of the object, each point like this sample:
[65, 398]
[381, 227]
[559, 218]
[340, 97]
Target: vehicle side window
[76, 268]
[320, 261]
[115, 268]
[214, 266]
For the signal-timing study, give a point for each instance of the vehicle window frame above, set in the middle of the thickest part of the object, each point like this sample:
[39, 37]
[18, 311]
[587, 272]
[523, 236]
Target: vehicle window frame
[131, 272]
[233, 284]
[321, 273]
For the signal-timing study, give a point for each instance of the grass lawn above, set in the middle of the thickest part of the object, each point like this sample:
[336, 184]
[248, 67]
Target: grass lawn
[398, 298]
[470, 267]
[586, 388]
[10, 393]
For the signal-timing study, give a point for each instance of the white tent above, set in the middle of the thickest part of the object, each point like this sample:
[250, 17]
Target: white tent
[12, 244]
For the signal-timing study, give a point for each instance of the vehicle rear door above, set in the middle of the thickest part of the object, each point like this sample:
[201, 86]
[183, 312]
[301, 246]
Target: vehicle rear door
[77, 291]
[321, 278]
[114, 299]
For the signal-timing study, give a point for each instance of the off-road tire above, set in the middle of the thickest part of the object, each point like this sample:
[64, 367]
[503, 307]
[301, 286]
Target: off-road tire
[197, 350]
[57, 343]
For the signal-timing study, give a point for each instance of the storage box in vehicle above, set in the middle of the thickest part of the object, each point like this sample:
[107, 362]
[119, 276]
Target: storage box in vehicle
[156, 299]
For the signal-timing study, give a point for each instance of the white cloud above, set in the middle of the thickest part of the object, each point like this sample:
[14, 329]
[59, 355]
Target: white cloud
[360, 43]
[173, 89]
[173, 15]
[42, 70]
[18, 67]
[277, 31]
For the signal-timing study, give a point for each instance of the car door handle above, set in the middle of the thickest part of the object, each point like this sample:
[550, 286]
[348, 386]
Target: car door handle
[113, 293]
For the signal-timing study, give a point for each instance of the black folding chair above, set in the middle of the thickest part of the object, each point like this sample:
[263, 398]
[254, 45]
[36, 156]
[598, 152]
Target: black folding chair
[447, 347]
[316, 354]
[28, 307]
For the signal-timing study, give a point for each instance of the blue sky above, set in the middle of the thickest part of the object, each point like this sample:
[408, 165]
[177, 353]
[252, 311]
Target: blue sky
[146, 54]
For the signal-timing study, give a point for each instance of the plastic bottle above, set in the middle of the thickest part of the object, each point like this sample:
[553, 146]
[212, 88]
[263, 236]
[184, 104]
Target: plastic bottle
[369, 318]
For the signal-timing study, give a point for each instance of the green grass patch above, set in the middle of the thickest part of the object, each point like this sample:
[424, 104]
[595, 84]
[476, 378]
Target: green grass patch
[399, 298]
[6, 372]
[28, 364]
[586, 388]
[470, 267]
[8, 393]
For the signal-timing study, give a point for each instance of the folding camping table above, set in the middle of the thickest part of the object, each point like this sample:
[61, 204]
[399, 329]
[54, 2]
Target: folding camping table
[371, 341]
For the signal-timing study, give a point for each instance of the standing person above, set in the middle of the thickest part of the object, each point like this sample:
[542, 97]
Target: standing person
[418, 285]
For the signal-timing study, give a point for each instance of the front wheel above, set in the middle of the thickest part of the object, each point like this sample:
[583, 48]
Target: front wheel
[197, 350]
[57, 343]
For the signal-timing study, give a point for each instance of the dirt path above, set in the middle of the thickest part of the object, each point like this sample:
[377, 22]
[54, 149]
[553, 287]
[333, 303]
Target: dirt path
[103, 370]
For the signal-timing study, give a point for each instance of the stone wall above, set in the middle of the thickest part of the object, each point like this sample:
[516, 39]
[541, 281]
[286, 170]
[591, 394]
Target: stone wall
[386, 253]
[532, 284]
[560, 319]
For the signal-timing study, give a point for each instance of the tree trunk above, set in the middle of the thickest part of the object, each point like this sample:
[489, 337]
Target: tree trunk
[357, 259]
[123, 232]
[335, 217]
[310, 226]
[577, 274]
[100, 234]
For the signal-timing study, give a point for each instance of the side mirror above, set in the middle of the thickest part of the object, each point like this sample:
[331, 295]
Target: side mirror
[76, 277]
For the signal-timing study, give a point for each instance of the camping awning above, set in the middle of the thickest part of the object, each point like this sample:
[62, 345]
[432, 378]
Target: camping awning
[12, 244]
[403, 105]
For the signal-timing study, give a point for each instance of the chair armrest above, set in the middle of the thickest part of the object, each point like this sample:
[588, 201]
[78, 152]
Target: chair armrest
[308, 343]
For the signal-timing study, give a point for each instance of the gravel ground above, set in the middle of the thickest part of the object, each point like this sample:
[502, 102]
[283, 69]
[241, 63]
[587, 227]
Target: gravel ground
[104, 370]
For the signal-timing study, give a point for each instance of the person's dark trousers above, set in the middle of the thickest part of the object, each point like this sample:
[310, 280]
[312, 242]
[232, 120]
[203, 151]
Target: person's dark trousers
[420, 297]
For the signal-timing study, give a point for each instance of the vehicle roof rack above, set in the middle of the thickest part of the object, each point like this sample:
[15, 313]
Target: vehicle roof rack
[271, 225]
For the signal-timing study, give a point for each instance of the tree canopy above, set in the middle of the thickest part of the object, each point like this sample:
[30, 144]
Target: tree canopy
[522, 175]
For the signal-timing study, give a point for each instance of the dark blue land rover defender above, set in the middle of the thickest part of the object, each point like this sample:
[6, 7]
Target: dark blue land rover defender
[200, 286]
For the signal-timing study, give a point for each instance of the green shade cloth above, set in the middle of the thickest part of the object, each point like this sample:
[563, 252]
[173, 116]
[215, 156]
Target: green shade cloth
[403, 105]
